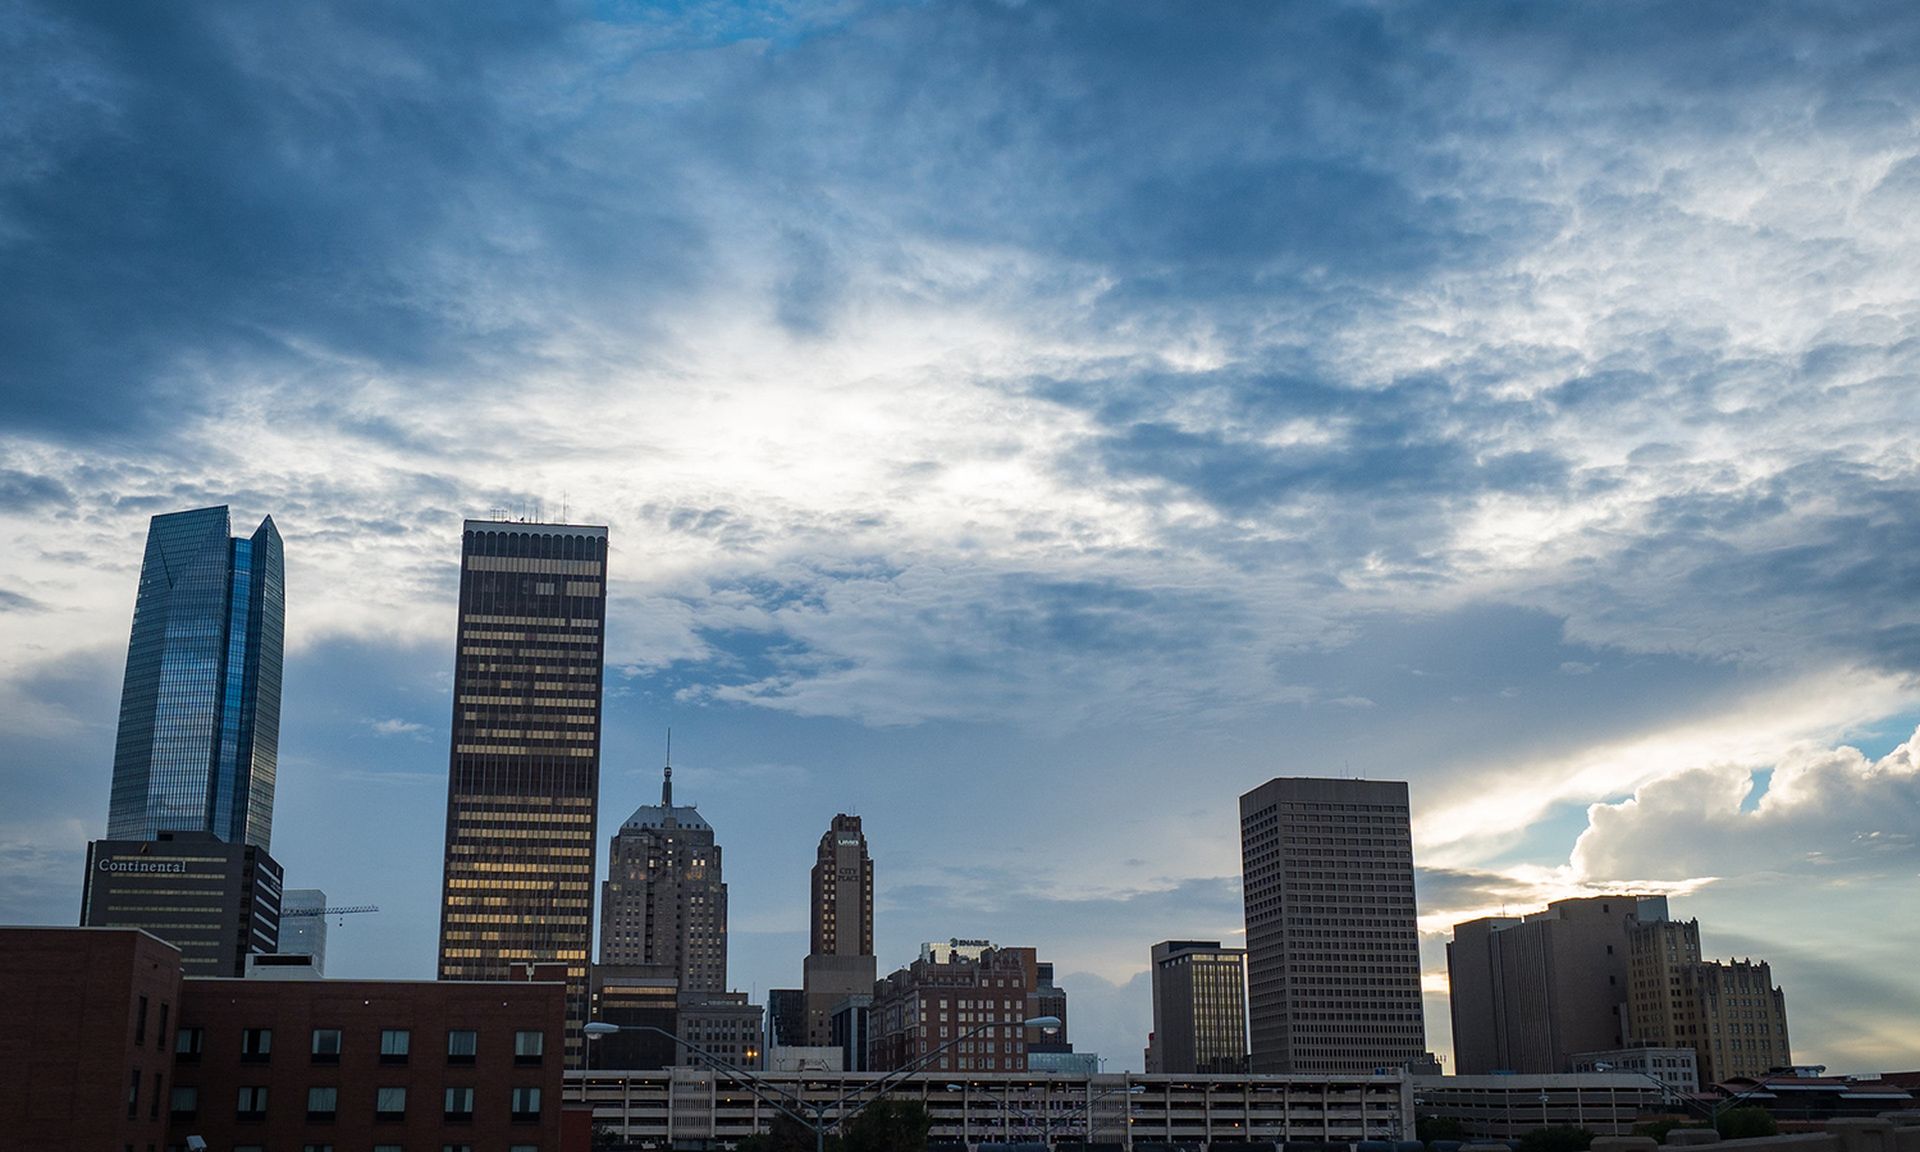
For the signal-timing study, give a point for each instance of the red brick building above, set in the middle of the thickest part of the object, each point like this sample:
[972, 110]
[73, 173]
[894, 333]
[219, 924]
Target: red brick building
[410, 1066]
[919, 1008]
[86, 1056]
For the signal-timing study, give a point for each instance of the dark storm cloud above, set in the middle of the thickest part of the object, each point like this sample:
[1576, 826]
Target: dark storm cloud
[214, 193]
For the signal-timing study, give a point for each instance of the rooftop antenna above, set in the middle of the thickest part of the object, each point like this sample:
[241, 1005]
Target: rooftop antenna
[666, 785]
[564, 508]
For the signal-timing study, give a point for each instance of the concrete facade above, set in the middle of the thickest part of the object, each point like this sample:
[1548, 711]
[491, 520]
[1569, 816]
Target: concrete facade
[1529, 992]
[1333, 947]
[1730, 1014]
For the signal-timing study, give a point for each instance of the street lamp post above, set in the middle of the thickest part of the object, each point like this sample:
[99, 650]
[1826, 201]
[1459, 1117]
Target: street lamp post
[817, 1122]
[1666, 1089]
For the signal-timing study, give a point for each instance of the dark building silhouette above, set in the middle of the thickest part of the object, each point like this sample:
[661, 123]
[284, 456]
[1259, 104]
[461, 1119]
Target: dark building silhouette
[523, 777]
[1333, 949]
[664, 901]
[216, 902]
[841, 963]
[1199, 1008]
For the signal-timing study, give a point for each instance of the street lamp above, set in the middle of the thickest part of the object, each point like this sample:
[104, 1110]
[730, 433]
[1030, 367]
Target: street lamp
[1666, 1089]
[817, 1122]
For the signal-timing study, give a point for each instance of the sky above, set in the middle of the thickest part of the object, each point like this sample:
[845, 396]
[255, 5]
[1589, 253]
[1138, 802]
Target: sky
[1028, 426]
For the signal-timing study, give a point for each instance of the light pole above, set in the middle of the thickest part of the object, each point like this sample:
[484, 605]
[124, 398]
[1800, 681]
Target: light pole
[817, 1122]
[1666, 1089]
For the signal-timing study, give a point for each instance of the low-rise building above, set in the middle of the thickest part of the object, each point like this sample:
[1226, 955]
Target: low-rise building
[1674, 1067]
[1507, 1107]
[970, 1011]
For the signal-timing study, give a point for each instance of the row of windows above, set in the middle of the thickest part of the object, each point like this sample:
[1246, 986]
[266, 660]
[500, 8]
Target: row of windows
[323, 1103]
[326, 1044]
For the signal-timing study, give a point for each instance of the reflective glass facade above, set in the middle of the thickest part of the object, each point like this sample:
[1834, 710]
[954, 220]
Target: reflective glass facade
[199, 736]
[524, 771]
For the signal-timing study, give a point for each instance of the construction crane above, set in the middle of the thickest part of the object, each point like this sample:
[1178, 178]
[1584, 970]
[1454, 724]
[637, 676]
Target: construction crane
[290, 913]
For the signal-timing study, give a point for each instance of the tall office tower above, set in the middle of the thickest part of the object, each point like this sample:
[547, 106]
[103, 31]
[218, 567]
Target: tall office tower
[200, 707]
[1730, 1014]
[1529, 993]
[1333, 952]
[663, 901]
[1199, 1008]
[302, 932]
[841, 963]
[523, 778]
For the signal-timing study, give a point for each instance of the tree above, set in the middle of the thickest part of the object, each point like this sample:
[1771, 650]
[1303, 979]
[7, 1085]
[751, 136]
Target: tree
[785, 1134]
[1561, 1139]
[889, 1126]
[1427, 1129]
[1745, 1122]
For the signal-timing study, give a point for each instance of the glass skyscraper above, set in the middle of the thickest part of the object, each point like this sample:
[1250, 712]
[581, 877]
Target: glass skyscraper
[200, 709]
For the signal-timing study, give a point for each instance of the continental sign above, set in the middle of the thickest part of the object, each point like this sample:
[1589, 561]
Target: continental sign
[137, 864]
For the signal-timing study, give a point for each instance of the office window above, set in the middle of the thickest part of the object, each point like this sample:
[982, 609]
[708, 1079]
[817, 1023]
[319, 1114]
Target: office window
[133, 1094]
[153, 1099]
[394, 1043]
[140, 1022]
[462, 1043]
[528, 1047]
[186, 1044]
[185, 1103]
[390, 1104]
[322, 1103]
[253, 1102]
[256, 1044]
[459, 1104]
[526, 1103]
[160, 1037]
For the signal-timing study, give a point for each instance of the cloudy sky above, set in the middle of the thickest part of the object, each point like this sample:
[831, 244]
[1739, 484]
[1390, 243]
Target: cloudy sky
[1027, 425]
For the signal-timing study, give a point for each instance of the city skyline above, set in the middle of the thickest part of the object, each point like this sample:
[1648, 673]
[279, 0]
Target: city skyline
[1026, 427]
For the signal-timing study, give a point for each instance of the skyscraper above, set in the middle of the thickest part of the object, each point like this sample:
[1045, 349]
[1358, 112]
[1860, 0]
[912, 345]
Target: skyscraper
[1199, 1008]
[1529, 993]
[841, 963]
[664, 901]
[199, 736]
[1731, 1014]
[523, 778]
[1333, 951]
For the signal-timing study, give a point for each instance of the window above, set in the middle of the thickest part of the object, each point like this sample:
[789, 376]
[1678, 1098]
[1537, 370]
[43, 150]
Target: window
[153, 1100]
[390, 1104]
[185, 1103]
[160, 1037]
[456, 1148]
[186, 1045]
[322, 1103]
[461, 1046]
[256, 1044]
[528, 1047]
[526, 1103]
[133, 1094]
[140, 1023]
[524, 1148]
[253, 1103]
[459, 1104]
[388, 1148]
[394, 1043]
[326, 1045]
[318, 1147]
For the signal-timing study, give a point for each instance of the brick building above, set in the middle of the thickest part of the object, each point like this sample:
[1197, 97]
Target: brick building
[932, 1002]
[86, 1058]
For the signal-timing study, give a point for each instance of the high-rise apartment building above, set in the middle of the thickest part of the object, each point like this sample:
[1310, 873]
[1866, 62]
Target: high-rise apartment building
[841, 962]
[523, 777]
[1333, 951]
[199, 735]
[1199, 1008]
[1530, 992]
[664, 901]
[1730, 1014]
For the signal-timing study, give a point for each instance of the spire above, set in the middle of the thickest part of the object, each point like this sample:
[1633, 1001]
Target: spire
[666, 785]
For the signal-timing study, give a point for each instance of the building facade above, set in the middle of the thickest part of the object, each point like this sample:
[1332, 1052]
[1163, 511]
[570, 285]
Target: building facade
[664, 901]
[1675, 1067]
[199, 736]
[931, 1004]
[1199, 1008]
[840, 962]
[1730, 1014]
[1333, 960]
[217, 902]
[369, 1063]
[1529, 992]
[523, 777]
[86, 1057]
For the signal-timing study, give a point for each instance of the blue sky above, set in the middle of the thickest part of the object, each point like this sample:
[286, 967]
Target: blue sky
[1028, 425]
